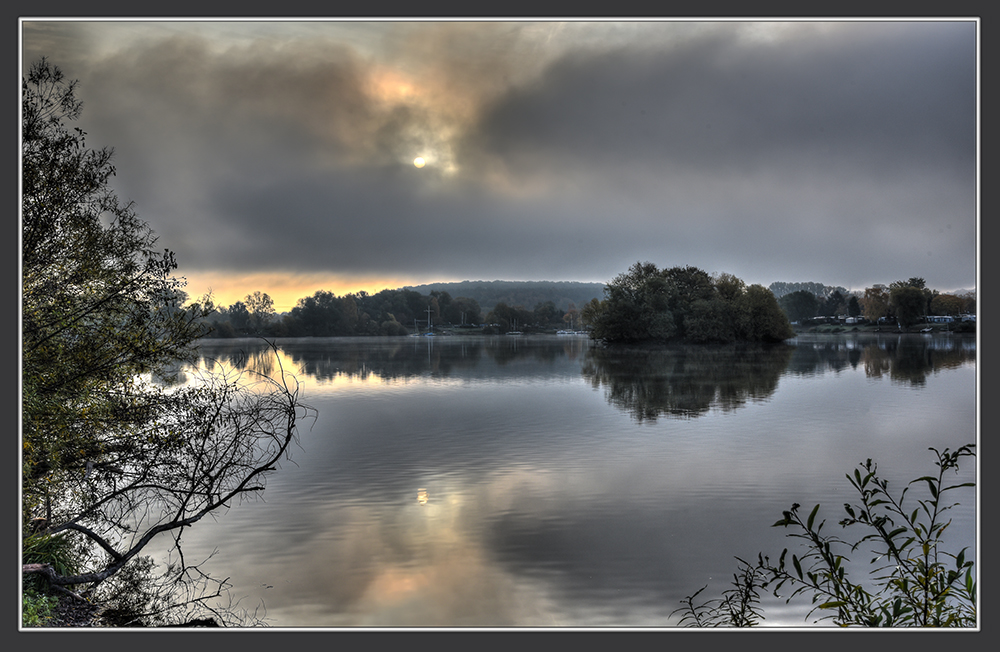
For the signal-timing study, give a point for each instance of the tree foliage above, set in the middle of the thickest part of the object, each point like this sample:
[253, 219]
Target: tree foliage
[260, 309]
[853, 306]
[912, 580]
[875, 303]
[833, 306]
[113, 455]
[947, 304]
[908, 301]
[799, 305]
[509, 318]
[99, 303]
[646, 304]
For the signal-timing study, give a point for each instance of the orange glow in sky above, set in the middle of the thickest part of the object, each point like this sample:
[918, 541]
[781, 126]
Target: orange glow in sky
[285, 289]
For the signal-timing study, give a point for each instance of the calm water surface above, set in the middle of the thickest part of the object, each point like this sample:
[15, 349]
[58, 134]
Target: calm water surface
[544, 482]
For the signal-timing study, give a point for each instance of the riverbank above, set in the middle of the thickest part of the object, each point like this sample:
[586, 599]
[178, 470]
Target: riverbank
[963, 328]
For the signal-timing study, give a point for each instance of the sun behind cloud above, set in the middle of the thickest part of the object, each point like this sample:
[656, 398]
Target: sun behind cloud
[419, 162]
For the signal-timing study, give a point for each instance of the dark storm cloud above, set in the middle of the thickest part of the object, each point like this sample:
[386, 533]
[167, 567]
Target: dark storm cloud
[235, 154]
[861, 135]
[843, 153]
[877, 99]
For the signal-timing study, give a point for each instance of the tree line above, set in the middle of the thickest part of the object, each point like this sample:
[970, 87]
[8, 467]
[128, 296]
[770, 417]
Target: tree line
[388, 312]
[489, 294]
[324, 314]
[405, 310]
[904, 303]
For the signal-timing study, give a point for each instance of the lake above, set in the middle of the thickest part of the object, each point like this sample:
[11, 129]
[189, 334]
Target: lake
[543, 481]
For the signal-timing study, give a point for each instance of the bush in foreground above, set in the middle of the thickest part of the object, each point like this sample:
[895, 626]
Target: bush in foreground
[913, 581]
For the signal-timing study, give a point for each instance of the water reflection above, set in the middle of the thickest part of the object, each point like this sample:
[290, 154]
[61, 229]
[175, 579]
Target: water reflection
[685, 381]
[906, 359]
[397, 358]
[524, 491]
[675, 381]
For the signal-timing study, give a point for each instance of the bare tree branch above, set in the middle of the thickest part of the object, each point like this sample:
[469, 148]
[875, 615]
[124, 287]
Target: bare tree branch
[225, 445]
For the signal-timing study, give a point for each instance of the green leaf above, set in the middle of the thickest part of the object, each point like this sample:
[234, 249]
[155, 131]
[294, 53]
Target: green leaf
[812, 517]
[896, 532]
[932, 487]
[833, 604]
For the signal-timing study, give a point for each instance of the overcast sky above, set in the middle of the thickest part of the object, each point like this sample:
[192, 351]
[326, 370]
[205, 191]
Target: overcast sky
[279, 156]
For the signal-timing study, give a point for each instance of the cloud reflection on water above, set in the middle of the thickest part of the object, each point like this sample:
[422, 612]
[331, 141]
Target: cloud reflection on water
[548, 505]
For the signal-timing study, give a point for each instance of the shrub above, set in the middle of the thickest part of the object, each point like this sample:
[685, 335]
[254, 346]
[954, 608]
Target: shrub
[914, 582]
[54, 549]
[36, 609]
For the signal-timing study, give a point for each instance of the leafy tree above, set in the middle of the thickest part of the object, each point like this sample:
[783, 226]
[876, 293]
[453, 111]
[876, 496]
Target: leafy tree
[99, 303]
[441, 300]
[875, 303]
[509, 317]
[463, 310]
[710, 320]
[392, 327]
[635, 307]
[853, 306]
[316, 315]
[834, 305]
[762, 318]
[111, 460]
[685, 286]
[799, 305]
[350, 315]
[546, 313]
[261, 311]
[685, 303]
[729, 287]
[239, 317]
[591, 312]
[947, 304]
[908, 302]
[969, 306]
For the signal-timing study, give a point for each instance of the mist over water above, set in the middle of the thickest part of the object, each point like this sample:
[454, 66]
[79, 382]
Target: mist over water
[545, 482]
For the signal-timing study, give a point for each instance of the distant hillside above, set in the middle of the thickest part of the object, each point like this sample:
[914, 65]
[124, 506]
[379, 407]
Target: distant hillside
[527, 294]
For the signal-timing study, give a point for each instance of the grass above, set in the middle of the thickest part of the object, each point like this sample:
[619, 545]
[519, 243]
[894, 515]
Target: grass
[36, 609]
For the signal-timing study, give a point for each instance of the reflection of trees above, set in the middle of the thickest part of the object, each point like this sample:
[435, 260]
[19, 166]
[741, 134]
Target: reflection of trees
[252, 355]
[393, 358]
[907, 358]
[386, 359]
[685, 381]
[506, 349]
